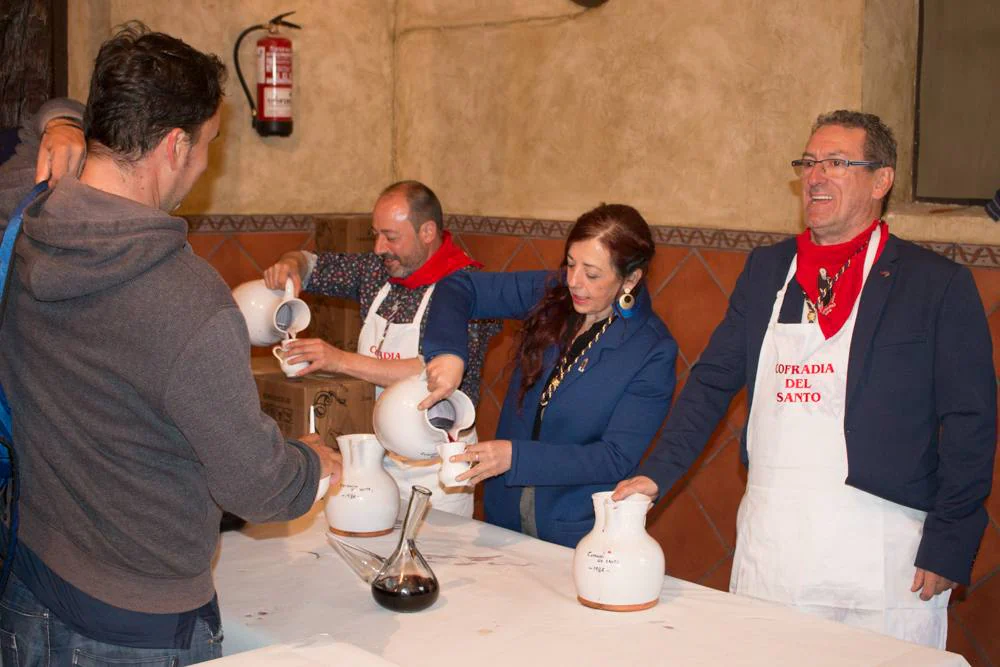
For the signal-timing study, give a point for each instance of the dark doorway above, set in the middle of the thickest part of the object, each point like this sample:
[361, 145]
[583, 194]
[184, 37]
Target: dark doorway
[33, 61]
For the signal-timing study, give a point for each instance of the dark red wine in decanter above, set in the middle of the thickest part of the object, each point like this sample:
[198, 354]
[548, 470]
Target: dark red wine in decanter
[405, 582]
[406, 593]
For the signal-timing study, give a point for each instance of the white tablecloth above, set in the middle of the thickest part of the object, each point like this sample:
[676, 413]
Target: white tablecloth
[507, 599]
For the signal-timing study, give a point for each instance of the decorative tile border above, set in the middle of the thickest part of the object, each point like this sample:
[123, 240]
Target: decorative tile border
[986, 256]
[222, 224]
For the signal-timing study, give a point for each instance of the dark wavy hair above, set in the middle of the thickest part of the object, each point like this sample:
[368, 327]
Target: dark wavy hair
[144, 85]
[627, 238]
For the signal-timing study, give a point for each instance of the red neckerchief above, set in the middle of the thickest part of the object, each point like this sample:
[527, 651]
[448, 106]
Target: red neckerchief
[446, 260]
[834, 310]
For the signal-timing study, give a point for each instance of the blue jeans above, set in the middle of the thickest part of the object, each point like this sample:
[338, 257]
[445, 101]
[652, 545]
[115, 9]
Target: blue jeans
[31, 636]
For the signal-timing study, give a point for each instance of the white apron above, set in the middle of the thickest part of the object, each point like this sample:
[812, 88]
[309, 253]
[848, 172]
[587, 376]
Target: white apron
[805, 538]
[384, 340]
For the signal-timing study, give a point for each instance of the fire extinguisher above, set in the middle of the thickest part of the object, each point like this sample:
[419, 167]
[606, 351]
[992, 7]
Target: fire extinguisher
[271, 113]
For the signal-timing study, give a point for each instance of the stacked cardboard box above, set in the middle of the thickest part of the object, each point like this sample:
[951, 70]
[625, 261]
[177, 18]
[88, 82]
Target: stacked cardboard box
[343, 404]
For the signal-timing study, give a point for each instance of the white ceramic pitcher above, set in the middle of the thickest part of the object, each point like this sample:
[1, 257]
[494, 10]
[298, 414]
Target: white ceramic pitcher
[404, 429]
[367, 499]
[617, 566]
[271, 315]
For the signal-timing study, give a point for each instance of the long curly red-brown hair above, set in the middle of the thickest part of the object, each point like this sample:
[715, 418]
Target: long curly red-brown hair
[553, 320]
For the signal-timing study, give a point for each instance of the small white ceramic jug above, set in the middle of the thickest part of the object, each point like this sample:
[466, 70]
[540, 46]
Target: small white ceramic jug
[271, 315]
[367, 499]
[617, 566]
[404, 429]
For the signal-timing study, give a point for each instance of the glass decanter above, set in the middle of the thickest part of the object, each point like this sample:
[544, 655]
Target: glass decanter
[405, 582]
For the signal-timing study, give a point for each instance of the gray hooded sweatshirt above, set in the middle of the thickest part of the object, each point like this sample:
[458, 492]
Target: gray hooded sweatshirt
[135, 414]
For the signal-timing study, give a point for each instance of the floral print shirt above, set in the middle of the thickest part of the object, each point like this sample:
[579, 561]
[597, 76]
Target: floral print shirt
[360, 277]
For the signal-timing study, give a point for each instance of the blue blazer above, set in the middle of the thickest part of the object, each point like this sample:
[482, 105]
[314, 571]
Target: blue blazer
[597, 425]
[920, 422]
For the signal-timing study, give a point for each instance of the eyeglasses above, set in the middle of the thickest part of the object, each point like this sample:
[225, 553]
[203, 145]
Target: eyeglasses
[832, 166]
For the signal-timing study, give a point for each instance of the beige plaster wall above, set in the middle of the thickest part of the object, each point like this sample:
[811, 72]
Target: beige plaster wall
[338, 157]
[89, 23]
[540, 108]
[690, 111]
[889, 78]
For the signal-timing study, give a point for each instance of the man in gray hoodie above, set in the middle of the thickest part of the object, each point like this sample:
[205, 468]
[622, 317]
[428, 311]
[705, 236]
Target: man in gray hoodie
[125, 361]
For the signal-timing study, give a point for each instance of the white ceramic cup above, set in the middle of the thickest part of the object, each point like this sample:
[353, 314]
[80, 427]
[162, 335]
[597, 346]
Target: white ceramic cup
[288, 369]
[449, 471]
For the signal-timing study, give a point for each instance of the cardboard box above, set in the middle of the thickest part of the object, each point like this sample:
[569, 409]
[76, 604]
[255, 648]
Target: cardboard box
[261, 365]
[343, 404]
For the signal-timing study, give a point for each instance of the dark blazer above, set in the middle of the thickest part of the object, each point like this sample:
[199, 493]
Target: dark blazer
[920, 422]
[597, 425]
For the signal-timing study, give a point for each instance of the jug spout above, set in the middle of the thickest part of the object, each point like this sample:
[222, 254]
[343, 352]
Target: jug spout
[600, 499]
[452, 415]
[271, 315]
[409, 431]
[364, 563]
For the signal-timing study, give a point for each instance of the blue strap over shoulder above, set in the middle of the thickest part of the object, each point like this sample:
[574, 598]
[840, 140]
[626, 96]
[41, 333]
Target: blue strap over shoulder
[9, 482]
[6, 260]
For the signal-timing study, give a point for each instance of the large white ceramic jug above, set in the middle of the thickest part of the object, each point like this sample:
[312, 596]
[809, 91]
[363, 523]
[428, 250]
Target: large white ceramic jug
[271, 314]
[404, 429]
[367, 499]
[617, 566]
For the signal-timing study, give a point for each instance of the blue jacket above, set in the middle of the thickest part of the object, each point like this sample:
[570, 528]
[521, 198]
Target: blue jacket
[597, 425]
[920, 422]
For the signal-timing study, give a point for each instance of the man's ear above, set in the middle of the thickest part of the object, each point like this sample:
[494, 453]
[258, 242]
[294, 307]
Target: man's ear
[884, 178]
[427, 231]
[176, 145]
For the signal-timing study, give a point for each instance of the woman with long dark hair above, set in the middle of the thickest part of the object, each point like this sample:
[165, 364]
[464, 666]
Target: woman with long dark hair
[593, 374]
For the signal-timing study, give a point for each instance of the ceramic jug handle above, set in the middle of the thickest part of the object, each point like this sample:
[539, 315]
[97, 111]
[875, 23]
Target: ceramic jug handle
[289, 288]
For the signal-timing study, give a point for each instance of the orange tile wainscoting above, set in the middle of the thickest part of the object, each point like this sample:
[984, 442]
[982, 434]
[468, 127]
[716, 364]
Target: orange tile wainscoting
[690, 279]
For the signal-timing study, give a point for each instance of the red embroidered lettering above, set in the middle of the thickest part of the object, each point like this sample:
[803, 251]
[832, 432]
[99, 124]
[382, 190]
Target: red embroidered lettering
[799, 397]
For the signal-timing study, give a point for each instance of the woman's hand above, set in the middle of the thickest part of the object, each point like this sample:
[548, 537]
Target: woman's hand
[444, 375]
[321, 355]
[489, 459]
[638, 484]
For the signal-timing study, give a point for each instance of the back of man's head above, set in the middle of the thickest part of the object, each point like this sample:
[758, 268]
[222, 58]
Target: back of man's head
[421, 201]
[144, 85]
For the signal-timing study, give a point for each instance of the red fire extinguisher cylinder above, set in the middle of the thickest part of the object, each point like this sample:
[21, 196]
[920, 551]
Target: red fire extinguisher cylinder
[274, 86]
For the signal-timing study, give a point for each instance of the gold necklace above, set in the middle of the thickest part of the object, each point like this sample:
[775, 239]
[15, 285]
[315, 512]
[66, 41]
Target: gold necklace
[564, 367]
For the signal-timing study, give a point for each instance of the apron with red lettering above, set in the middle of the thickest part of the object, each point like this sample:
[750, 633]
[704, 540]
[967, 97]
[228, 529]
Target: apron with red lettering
[382, 339]
[804, 537]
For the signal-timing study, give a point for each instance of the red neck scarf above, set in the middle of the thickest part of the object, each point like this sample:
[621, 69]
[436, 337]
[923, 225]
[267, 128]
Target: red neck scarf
[446, 260]
[831, 288]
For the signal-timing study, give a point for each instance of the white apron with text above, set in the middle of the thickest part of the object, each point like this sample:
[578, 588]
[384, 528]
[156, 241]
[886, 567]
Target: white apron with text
[382, 339]
[804, 537]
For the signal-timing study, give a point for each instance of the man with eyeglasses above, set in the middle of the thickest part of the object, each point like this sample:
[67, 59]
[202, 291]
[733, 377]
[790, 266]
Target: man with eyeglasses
[872, 405]
[393, 285]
